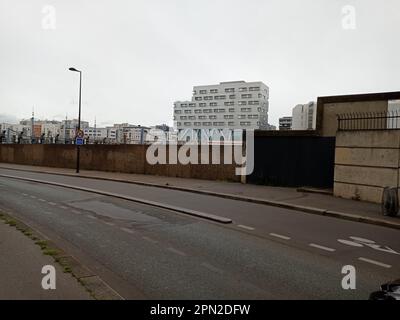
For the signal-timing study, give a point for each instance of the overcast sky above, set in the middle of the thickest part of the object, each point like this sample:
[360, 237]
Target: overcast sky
[138, 57]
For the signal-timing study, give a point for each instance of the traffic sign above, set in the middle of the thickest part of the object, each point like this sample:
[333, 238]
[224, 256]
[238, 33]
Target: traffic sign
[79, 134]
[79, 141]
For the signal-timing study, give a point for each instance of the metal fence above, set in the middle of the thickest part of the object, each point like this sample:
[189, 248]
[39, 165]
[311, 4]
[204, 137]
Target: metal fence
[369, 120]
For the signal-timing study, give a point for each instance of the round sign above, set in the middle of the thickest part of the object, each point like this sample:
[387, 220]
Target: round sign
[80, 134]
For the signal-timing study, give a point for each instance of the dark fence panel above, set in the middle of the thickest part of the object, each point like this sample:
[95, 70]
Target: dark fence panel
[294, 161]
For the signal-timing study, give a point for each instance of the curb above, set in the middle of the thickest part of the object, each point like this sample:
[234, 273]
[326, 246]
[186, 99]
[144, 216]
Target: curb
[194, 213]
[91, 282]
[285, 205]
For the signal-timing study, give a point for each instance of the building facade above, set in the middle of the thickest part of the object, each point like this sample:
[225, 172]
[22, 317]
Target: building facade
[228, 105]
[285, 123]
[304, 116]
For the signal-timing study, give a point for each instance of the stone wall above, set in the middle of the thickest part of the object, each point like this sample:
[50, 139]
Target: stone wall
[115, 158]
[365, 163]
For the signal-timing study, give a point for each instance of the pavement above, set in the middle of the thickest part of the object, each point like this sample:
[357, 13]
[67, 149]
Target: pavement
[146, 252]
[291, 198]
[21, 263]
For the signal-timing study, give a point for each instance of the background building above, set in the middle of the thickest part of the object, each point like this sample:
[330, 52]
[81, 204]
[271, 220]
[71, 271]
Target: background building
[304, 116]
[285, 123]
[228, 105]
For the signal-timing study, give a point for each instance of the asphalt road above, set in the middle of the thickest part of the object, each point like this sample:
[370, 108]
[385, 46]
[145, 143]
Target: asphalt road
[146, 252]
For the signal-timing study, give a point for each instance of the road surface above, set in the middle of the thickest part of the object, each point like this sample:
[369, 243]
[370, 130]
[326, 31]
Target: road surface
[144, 252]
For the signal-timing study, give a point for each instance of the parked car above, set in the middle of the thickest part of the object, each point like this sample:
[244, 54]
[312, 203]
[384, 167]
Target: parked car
[389, 291]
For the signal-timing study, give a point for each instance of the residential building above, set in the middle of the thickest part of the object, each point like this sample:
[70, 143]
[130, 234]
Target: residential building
[227, 105]
[285, 123]
[304, 116]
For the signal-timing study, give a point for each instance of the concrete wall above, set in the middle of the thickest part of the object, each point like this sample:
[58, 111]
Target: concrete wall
[115, 158]
[365, 163]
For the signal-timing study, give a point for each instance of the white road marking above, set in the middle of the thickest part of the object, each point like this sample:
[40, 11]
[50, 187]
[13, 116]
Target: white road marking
[109, 223]
[91, 217]
[211, 267]
[42, 200]
[245, 227]
[149, 239]
[176, 251]
[53, 204]
[375, 262]
[362, 240]
[127, 230]
[24, 194]
[33, 197]
[279, 236]
[321, 247]
[63, 207]
[350, 243]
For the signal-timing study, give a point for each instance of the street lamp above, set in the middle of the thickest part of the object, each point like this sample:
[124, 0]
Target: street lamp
[79, 117]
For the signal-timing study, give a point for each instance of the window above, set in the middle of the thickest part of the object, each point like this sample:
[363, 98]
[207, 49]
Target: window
[220, 97]
[252, 116]
[178, 123]
[252, 103]
[228, 116]
[219, 110]
[231, 123]
[245, 109]
[229, 103]
[194, 92]
[219, 124]
[207, 110]
[213, 104]
[230, 90]
[183, 118]
[242, 103]
[243, 89]
[208, 98]
[202, 117]
[245, 123]
[188, 111]
[232, 96]
[197, 111]
[187, 123]
[231, 109]
[192, 118]
[212, 117]
[198, 98]
[206, 123]
[192, 105]
[197, 124]
[241, 116]
[260, 95]
[203, 91]
[254, 89]
[183, 105]
[246, 96]
[178, 111]
[214, 91]
[202, 104]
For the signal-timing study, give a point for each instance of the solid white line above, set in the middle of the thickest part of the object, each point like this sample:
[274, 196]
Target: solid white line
[127, 230]
[375, 262]
[279, 236]
[321, 247]
[176, 251]
[245, 227]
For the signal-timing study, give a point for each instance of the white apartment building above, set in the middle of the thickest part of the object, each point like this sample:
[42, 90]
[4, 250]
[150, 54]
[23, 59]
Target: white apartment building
[304, 116]
[95, 134]
[228, 105]
[285, 123]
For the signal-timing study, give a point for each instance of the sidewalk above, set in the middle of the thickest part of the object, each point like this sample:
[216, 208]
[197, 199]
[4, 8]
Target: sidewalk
[21, 263]
[322, 204]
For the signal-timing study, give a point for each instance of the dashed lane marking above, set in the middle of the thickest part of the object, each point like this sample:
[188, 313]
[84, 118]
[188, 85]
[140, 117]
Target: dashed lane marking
[52, 203]
[181, 253]
[63, 207]
[246, 227]
[128, 230]
[279, 236]
[377, 263]
[321, 247]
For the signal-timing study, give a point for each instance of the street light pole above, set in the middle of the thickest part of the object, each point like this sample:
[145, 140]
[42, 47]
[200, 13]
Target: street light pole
[79, 117]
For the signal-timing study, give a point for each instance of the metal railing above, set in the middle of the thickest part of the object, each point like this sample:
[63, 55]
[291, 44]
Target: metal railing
[369, 120]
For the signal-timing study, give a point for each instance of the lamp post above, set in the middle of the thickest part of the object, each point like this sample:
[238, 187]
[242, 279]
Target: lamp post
[79, 117]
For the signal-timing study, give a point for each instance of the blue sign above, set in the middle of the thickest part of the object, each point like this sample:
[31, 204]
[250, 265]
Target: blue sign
[79, 141]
